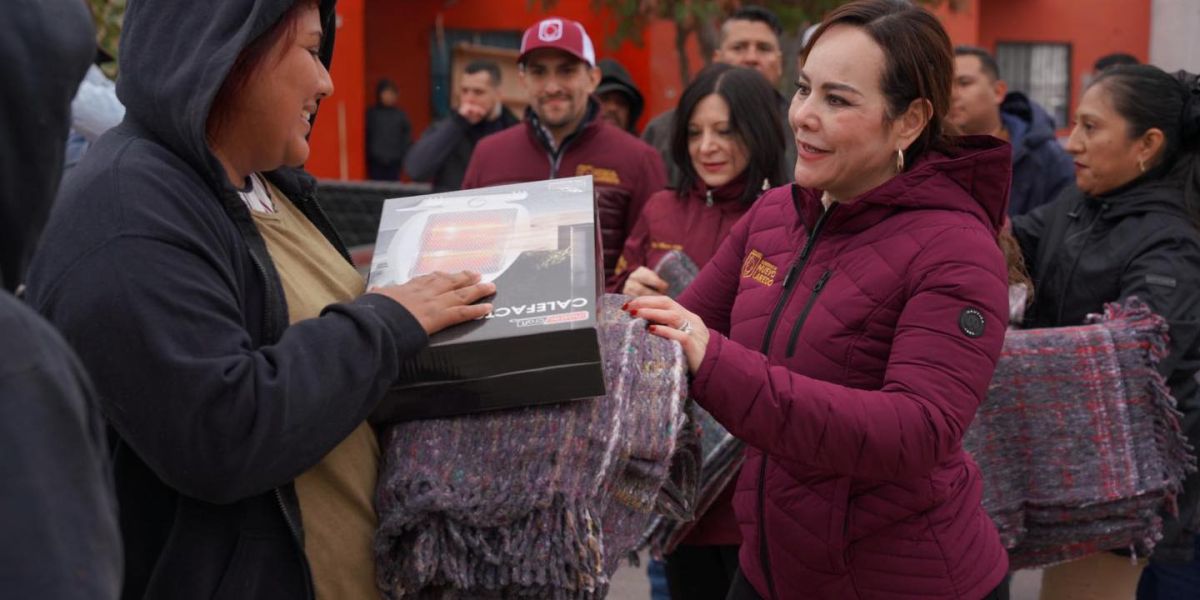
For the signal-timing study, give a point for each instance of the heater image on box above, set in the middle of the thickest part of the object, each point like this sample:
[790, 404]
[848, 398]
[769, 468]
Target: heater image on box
[538, 243]
[483, 233]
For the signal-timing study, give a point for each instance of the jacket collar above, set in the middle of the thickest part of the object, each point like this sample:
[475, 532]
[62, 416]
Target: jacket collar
[973, 176]
[1153, 191]
[726, 197]
[586, 128]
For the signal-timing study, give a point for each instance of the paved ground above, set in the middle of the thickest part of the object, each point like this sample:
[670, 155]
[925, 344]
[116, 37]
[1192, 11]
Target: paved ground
[630, 583]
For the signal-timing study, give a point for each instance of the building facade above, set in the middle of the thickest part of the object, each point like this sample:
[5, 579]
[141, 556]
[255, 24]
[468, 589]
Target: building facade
[1046, 48]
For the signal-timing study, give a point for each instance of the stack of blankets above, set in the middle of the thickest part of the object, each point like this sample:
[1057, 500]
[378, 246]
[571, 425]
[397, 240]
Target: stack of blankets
[540, 502]
[1079, 441]
[720, 456]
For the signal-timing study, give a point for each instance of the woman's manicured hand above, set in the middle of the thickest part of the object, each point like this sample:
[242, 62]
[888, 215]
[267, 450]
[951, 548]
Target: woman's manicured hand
[671, 321]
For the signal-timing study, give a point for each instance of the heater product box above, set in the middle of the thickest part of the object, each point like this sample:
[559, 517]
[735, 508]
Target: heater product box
[538, 242]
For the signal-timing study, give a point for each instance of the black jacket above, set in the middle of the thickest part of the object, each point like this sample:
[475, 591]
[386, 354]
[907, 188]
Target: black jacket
[58, 511]
[1042, 169]
[389, 135]
[442, 154]
[160, 281]
[1135, 241]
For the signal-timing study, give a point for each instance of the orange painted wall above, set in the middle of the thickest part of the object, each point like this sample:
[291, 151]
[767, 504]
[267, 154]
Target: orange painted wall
[398, 35]
[962, 26]
[347, 71]
[391, 38]
[1093, 29]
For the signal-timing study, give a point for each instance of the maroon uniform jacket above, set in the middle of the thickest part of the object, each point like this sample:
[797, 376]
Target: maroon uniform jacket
[850, 349]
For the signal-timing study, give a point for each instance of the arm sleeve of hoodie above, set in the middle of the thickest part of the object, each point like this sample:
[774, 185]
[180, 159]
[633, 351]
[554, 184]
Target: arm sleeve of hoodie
[712, 294]
[1166, 275]
[434, 147]
[936, 377]
[58, 510]
[164, 335]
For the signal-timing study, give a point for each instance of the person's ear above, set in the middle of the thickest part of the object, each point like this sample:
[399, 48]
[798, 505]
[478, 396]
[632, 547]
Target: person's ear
[1150, 146]
[594, 76]
[909, 125]
[1001, 89]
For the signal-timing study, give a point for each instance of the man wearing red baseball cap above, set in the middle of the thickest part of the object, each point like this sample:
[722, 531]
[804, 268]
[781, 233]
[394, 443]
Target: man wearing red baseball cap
[563, 136]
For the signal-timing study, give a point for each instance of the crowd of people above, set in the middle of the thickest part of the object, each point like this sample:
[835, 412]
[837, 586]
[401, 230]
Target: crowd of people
[190, 358]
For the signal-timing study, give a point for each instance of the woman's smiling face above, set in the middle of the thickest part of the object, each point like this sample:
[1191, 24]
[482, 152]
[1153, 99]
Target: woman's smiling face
[845, 142]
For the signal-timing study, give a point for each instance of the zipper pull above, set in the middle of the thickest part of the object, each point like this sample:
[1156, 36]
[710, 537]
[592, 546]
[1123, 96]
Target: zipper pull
[708, 199]
[791, 275]
[821, 282]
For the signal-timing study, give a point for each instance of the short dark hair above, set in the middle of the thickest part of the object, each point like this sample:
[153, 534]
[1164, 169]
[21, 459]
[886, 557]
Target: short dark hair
[1114, 60]
[492, 69]
[986, 60]
[753, 116]
[918, 61]
[1148, 97]
[758, 14]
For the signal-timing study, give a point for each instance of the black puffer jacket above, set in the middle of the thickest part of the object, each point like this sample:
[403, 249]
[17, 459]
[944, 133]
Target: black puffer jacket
[1134, 241]
[442, 154]
[160, 281]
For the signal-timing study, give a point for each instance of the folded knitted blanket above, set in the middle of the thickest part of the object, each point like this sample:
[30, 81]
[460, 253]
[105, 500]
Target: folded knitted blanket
[1078, 441]
[538, 502]
[719, 454]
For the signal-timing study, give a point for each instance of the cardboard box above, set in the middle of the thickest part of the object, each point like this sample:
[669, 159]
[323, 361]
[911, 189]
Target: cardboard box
[539, 243]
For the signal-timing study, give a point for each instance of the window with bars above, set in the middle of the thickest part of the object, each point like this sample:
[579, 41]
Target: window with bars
[1042, 71]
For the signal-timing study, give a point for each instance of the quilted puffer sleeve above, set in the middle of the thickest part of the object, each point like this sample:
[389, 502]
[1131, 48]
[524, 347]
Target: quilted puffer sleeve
[945, 347]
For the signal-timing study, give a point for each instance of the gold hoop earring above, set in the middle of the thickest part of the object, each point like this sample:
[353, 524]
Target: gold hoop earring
[899, 160]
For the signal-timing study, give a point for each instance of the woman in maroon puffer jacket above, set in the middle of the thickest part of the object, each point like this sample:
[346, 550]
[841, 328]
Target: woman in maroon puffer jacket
[729, 145]
[848, 327]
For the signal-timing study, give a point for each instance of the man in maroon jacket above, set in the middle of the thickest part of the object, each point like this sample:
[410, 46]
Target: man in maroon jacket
[562, 135]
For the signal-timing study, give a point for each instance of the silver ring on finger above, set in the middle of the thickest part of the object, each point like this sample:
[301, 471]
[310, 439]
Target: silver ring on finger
[686, 328]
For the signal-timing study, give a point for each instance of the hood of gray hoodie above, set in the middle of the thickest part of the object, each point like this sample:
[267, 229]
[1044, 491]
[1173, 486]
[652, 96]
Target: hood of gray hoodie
[169, 97]
[47, 46]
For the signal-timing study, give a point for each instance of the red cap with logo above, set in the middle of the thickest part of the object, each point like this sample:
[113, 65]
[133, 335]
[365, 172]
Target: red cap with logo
[560, 34]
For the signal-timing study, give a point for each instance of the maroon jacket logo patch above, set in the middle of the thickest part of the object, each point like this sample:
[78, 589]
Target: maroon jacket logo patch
[758, 269]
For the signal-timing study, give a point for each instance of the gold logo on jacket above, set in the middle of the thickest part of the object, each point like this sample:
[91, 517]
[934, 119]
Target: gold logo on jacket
[598, 174]
[758, 269]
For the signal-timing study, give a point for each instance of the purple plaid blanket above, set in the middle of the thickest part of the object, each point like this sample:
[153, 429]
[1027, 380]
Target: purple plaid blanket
[538, 502]
[1079, 442]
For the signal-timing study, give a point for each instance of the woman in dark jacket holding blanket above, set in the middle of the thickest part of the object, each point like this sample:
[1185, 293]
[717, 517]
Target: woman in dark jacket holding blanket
[230, 340]
[1128, 228]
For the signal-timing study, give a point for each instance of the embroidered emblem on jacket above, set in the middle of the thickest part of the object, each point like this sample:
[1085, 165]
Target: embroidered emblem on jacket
[758, 269]
[665, 246]
[599, 175]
